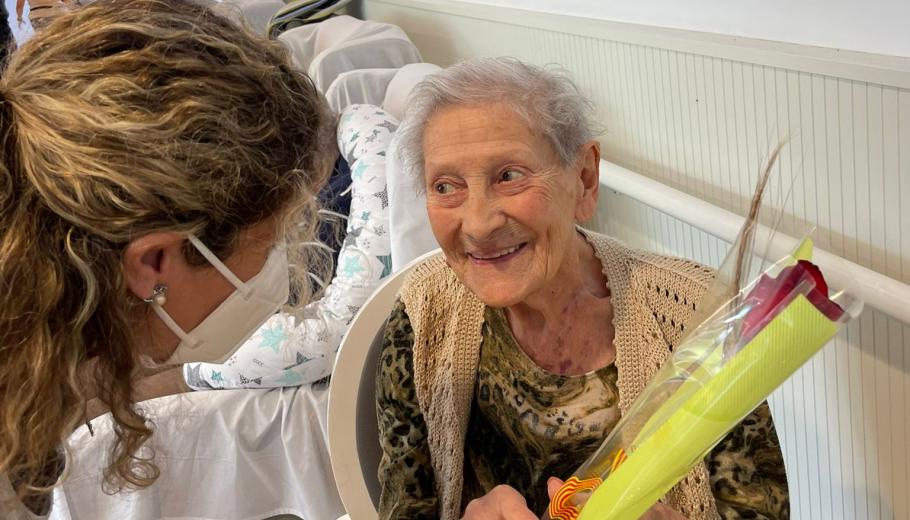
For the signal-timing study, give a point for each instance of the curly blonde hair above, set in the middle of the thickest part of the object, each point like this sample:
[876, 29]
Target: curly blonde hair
[149, 115]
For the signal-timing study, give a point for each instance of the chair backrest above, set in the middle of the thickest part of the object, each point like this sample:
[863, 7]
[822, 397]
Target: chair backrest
[352, 427]
[307, 42]
[403, 83]
[391, 49]
[359, 86]
[313, 42]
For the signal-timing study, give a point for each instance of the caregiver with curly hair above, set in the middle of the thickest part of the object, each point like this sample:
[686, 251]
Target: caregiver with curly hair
[157, 166]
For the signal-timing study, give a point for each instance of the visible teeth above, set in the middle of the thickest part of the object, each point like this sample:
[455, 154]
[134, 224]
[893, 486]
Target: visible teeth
[497, 255]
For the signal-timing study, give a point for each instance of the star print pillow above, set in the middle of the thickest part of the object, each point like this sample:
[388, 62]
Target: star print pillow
[293, 350]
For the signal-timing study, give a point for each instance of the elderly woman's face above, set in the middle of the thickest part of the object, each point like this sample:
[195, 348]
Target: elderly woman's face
[501, 204]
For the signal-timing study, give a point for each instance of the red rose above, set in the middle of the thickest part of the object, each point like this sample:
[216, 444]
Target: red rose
[771, 295]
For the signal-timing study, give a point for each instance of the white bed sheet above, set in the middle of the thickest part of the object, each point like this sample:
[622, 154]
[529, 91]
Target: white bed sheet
[223, 454]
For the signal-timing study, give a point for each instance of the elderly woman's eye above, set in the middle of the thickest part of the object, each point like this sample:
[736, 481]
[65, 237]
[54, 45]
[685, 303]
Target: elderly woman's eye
[444, 188]
[510, 175]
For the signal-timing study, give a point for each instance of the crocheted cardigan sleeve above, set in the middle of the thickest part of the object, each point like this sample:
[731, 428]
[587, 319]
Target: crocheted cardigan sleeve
[405, 470]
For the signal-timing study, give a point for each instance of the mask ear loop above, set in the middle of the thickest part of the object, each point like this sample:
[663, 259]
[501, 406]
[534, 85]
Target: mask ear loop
[156, 300]
[171, 324]
[219, 265]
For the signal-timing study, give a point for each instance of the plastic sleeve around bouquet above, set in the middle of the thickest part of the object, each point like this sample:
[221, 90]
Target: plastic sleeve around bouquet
[732, 362]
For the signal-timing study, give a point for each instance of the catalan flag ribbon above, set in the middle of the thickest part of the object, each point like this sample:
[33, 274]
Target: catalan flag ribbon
[561, 507]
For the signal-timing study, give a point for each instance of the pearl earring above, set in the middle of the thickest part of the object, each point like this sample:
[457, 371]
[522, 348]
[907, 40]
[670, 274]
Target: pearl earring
[159, 296]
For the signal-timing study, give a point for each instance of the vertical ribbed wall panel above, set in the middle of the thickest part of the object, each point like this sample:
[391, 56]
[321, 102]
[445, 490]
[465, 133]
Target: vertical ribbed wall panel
[705, 125]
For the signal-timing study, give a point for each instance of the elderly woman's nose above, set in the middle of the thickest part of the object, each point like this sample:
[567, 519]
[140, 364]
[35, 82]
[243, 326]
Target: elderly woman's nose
[482, 216]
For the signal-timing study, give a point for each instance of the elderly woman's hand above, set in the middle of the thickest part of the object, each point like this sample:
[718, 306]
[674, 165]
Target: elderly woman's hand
[505, 503]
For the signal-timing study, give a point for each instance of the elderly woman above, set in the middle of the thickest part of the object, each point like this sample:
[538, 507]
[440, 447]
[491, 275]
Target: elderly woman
[153, 164]
[510, 357]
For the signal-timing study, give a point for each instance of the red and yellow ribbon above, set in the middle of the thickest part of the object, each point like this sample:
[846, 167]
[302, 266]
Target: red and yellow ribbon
[562, 508]
[618, 459]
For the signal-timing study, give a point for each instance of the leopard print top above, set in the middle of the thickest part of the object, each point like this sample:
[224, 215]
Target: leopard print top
[528, 424]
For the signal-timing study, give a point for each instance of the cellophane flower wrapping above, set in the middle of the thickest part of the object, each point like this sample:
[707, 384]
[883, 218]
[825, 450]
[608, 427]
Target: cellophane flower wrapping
[750, 337]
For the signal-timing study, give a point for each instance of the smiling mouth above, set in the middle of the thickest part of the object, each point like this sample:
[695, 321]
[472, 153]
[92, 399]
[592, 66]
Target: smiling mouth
[496, 257]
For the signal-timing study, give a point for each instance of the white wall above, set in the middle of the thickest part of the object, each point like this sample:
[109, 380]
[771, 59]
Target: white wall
[878, 26]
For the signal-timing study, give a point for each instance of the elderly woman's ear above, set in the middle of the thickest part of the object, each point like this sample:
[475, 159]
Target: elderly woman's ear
[587, 169]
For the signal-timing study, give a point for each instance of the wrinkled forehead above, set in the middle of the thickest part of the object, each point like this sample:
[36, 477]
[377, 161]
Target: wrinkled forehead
[456, 135]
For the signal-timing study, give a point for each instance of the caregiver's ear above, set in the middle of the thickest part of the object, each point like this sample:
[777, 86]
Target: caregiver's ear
[153, 259]
[588, 181]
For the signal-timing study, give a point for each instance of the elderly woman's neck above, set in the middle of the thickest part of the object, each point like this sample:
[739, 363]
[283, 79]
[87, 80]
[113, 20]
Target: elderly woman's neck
[579, 283]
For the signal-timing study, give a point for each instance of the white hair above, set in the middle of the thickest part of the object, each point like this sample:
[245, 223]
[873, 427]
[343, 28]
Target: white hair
[545, 97]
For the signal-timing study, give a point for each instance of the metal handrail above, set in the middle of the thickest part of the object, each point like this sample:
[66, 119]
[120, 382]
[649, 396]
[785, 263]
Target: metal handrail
[875, 289]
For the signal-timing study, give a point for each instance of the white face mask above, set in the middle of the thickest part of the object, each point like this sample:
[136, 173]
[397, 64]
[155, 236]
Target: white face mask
[223, 331]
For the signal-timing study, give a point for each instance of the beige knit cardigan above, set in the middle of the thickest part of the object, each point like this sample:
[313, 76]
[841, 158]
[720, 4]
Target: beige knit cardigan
[653, 297]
